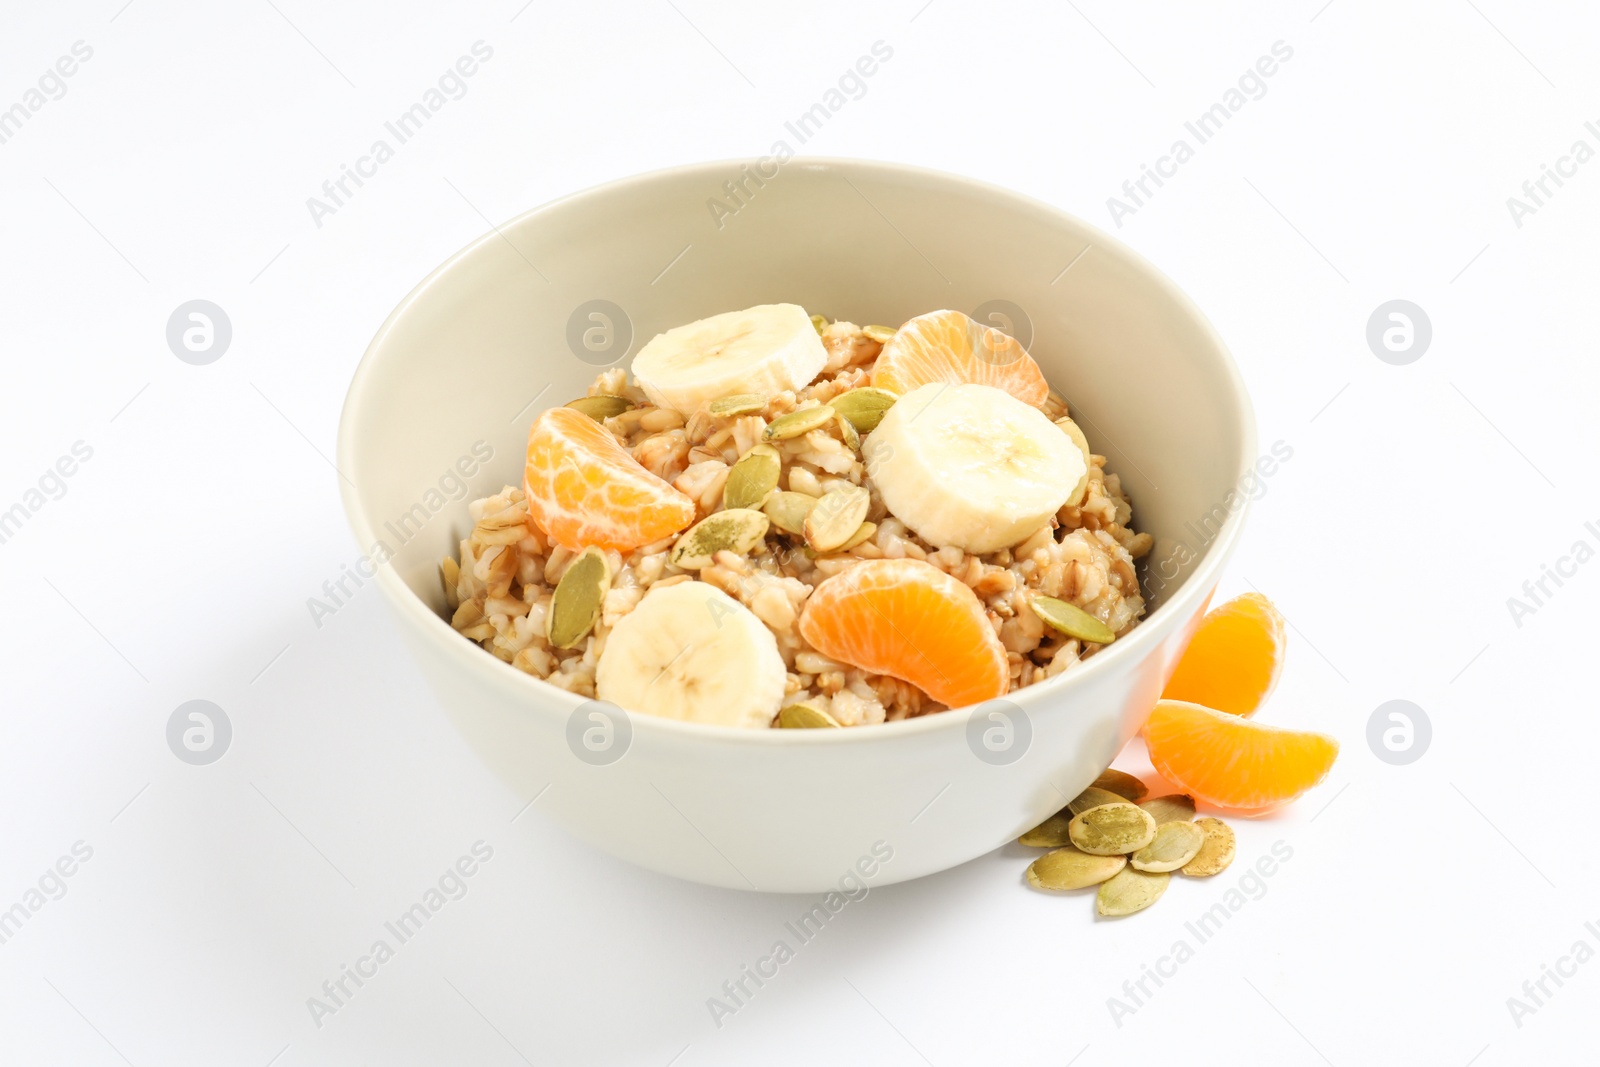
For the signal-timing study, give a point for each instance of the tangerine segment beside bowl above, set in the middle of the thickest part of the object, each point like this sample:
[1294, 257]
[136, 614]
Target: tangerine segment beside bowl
[909, 619]
[947, 346]
[1234, 763]
[1234, 661]
[584, 488]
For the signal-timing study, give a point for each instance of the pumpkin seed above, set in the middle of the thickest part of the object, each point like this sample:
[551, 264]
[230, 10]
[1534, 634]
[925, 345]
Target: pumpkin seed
[602, 406]
[804, 716]
[738, 404]
[1052, 833]
[836, 518]
[847, 431]
[575, 605]
[1174, 807]
[1093, 797]
[1072, 620]
[1215, 853]
[863, 533]
[1123, 784]
[819, 323]
[737, 530]
[788, 510]
[798, 422]
[1130, 890]
[753, 478]
[1071, 429]
[1067, 868]
[1111, 829]
[864, 407]
[881, 334]
[1175, 844]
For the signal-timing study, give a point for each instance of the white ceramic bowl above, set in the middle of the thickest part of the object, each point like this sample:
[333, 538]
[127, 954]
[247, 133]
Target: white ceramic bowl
[508, 326]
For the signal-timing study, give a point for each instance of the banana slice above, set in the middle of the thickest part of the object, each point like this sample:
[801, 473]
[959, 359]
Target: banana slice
[693, 653]
[765, 349]
[971, 466]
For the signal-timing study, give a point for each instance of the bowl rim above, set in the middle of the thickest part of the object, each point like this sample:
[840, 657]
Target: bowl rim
[540, 697]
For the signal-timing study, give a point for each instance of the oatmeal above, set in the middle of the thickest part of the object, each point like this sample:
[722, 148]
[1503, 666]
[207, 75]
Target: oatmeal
[932, 568]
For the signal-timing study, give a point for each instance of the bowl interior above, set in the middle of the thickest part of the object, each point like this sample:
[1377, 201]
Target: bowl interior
[525, 318]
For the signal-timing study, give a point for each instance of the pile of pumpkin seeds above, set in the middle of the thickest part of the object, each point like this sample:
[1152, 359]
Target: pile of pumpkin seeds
[1115, 837]
[752, 503]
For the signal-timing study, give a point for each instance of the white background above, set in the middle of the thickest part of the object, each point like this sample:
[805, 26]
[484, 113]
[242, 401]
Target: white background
[178, 563]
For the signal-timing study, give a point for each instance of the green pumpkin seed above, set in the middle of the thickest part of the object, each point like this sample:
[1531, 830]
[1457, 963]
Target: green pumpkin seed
[863, 534]
[739, 404]
[1067, 868]
[1112, 829]
[864, 407]
[1130, 890]
[1175, 844]
[737, 530]
[836, 518]
[1215, 853]
[848, 432]
[880, 334]
[1174, 807]
[1071, 429]
[1072, 620]
[805, 716]
[602, 406]
[819, 323]
[788, 510]
[575, 605]
[753, 478]
[1093, 797]
[798, 422]
[1052, 833]
[1123, 784]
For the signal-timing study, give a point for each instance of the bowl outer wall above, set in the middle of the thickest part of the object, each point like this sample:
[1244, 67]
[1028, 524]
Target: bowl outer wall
[771, 810]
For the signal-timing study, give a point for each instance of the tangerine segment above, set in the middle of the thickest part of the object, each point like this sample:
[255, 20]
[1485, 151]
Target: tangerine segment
[585, 489]
[1231, 762]
[909, 619]
[947, 346]
[1233, 662]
